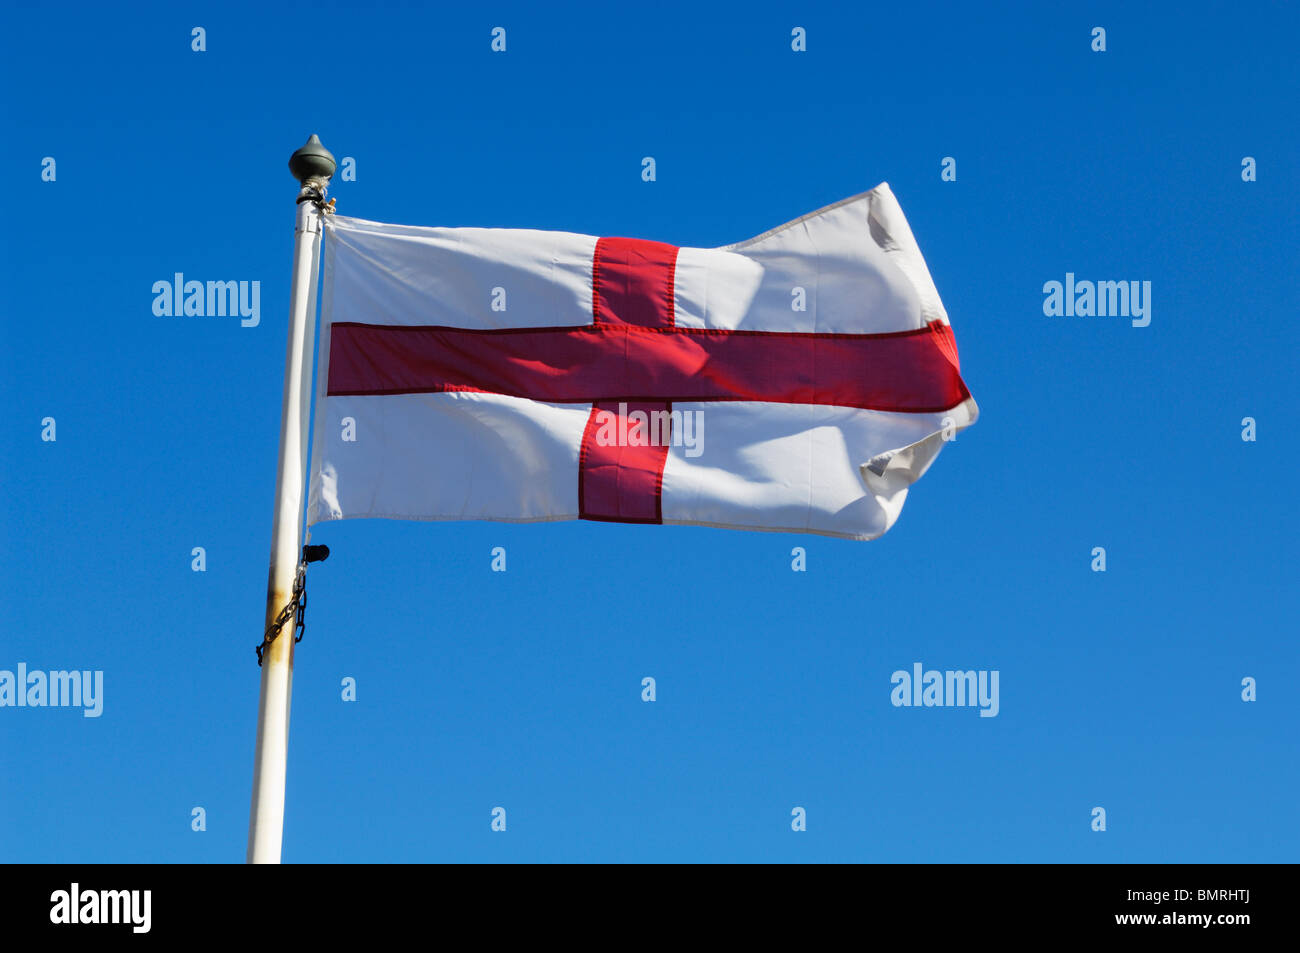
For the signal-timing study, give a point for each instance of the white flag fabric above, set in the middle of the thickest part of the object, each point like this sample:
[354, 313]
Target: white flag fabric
[800, 381]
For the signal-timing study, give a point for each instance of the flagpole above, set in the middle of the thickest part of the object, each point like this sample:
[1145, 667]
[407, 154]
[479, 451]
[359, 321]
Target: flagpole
[312, 166]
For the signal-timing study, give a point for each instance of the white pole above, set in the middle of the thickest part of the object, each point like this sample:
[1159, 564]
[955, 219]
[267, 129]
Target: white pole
[266, 819]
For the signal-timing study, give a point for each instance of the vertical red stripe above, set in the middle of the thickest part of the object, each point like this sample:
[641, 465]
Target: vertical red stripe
[631, 283]
[619, 478]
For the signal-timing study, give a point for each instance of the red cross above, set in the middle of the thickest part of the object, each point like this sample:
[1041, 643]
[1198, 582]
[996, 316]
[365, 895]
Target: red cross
[634, 354]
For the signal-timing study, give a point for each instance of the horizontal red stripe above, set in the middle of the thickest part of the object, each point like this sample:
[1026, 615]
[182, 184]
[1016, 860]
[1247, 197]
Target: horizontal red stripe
[909, 371]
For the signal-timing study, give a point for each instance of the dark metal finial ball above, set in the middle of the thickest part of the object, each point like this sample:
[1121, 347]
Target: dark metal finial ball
[312, 161]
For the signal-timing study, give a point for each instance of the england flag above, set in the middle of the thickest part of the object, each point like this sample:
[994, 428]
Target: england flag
[800, 381]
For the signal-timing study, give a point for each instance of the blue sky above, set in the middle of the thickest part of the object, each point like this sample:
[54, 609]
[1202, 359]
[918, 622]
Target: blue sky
[475, 690]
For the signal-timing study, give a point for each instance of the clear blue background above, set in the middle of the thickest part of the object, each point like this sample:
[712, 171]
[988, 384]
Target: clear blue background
[522, 689]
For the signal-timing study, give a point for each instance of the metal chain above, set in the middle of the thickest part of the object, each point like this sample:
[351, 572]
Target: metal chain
[296, 609]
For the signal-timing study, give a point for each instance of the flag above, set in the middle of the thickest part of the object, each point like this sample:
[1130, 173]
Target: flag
[800, 381]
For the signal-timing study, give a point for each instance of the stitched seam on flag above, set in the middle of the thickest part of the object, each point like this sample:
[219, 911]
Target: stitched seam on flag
[582, 461]
[663, 465]
[650, 398]
[564, 517]
[670, 305]
[458, 518]
[670, 309]
[642, 520]
[775, 529]
[595, 284]
[643, 329]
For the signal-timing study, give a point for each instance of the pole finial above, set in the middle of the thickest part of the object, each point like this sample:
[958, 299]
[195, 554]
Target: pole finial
[312, 161]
